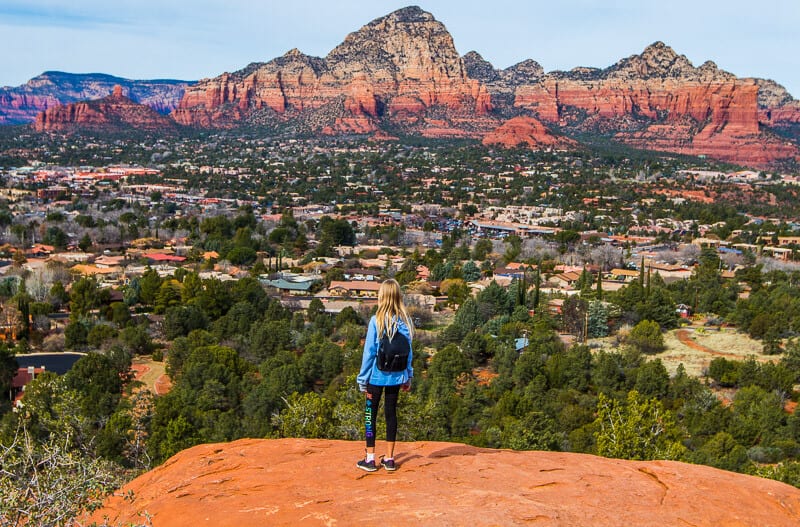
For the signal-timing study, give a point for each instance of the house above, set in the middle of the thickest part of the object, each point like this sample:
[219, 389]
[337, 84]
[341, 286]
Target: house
[290, 287]
[555, 305]
[564, 280]
[357, 288]
[623, 275]
[160, 257]
[509, 272]
[109, 261]
[23, 377]
[669, 271]
[363, 274]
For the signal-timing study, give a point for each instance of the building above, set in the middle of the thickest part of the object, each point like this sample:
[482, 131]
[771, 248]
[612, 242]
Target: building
[354, 288]
[23, 377]
[290, 287]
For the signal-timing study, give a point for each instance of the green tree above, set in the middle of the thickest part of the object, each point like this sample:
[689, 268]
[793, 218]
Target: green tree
[306, 415]
[482, 249]
[470, 272]
[48, 483]
[76, 334]
[646, 336]
[85, 243]
[8, 369]
[84, 296]
[598, 319]
[638, 428]
[149, 283]
[722, 451]
[168, 295]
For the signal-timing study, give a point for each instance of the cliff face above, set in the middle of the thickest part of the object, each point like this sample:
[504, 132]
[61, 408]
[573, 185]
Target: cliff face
[657, 100]
[316, 482]
[395, 68]
[115, 113]
[21, 104]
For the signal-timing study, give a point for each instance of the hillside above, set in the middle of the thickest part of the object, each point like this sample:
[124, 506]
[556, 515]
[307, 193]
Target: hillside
[21, 104]
[114, 113]
[315, 482]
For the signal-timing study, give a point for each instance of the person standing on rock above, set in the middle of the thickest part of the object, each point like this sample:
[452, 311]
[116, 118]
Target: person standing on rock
[385, 367]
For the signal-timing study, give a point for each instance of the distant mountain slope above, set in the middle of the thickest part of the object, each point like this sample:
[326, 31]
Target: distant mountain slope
[316, 482]
[402, 75]
[21, 104]
[114, 113]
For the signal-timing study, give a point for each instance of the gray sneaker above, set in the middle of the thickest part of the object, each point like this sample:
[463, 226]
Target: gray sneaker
[388, 464]
[367, 466]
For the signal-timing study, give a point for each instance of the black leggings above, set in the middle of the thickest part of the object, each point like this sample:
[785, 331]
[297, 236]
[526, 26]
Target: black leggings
[389, 411]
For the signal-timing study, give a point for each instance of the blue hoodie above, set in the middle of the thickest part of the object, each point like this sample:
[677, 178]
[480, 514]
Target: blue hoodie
[370, 374]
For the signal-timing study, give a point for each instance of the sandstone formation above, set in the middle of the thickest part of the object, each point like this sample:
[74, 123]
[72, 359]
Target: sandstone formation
[395, 68]
[401, 74]
[526, 131]
[113, 113]
[315, 482]
[21, 104]
[658, 100]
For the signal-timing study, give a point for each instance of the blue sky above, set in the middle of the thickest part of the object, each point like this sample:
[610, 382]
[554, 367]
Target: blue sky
[202, 38]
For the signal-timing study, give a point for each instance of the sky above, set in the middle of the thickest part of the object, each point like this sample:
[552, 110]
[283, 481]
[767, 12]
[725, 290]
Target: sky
[183, 39]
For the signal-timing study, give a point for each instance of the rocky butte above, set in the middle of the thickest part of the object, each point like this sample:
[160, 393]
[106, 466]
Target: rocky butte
[21, 104]
[315, 482]
[113, 113]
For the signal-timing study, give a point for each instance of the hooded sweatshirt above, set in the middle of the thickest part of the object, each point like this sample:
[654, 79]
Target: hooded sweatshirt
[370, 374]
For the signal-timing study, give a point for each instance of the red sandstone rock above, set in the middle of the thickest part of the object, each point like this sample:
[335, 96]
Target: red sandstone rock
[113, 113]
[526, 131]
[316, 482]
[21, 104]
[405, 62]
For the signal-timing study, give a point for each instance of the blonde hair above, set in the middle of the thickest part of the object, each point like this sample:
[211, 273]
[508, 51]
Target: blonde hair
[390, 309]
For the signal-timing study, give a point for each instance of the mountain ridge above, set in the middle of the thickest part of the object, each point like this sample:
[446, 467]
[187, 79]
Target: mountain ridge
[115, 113]
[21, 104]
[401, 73]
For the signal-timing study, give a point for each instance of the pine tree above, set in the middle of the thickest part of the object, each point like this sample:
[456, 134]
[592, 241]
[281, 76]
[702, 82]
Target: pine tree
[599, 290]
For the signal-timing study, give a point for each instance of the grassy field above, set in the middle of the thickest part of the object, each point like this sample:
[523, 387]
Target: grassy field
[708, 345]
[148, 371]
[727, 342]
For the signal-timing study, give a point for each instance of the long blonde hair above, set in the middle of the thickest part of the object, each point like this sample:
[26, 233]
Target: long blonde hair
[390, 309]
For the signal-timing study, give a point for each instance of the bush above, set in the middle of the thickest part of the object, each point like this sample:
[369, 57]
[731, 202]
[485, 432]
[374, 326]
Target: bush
[646, 337]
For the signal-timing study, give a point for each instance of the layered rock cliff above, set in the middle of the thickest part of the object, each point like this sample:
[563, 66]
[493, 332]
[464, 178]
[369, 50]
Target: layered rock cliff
[316, 482]
[395, 70]
[658, 100]
[401, 74]
[115, 113]
[21, 104]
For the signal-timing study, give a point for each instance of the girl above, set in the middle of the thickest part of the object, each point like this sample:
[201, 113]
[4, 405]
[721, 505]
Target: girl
[390, 318]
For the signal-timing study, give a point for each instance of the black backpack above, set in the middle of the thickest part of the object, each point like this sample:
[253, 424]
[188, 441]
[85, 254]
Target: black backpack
[393, 353]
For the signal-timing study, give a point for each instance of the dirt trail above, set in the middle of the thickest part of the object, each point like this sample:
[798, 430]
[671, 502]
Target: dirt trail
[685, 337]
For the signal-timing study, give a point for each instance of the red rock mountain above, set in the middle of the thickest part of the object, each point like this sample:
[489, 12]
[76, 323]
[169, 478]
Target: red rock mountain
[316, 482]
[398, 68]
[659, 101]
[113, 113]
[401, 75]
[21, 104]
